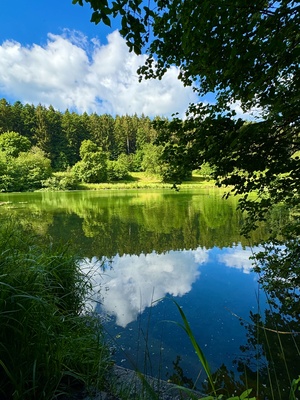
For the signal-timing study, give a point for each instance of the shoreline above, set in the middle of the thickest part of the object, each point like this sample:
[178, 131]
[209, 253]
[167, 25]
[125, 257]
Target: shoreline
[140, 386]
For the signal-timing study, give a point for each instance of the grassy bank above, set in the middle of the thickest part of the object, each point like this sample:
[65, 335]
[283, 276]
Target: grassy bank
[49, 345]
[140, 180]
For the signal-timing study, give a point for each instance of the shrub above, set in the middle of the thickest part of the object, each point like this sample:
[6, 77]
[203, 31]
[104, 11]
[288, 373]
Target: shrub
[61, 181]
[119, 169]
[152, 162]
[24, 172]
[12, 143]
[30, 169]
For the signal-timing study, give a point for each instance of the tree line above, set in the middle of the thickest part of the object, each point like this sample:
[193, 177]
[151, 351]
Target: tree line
[36, 141]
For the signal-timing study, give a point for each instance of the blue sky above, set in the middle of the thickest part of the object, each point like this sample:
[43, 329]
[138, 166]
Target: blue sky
[30, 21]
[50, 53]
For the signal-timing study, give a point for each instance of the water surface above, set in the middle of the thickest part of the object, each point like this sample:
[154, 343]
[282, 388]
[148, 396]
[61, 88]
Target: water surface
[146, 248]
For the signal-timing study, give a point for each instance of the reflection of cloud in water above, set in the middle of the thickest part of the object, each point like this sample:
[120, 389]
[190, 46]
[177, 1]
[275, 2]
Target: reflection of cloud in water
[135, 282]
[239, 257]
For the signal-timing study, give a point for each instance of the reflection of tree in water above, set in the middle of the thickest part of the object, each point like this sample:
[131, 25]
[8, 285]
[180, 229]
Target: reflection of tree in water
[178, 377]
[269, 363]
[132, 223]
[270, 359]
[225, 380]
[273, 348]
[225, 383]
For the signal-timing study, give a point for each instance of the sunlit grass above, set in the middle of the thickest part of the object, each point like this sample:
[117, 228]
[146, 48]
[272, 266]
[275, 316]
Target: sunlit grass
[141, 180]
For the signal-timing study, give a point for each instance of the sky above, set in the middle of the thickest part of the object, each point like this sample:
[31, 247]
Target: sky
[51, 54]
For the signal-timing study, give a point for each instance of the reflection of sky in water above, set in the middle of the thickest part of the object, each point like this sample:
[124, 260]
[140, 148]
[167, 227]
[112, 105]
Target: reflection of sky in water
[134, 282]
[238, 257]
[210, 285]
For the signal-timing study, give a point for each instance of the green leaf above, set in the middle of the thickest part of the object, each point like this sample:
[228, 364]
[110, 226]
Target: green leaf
[106, 20]
[245, 394]
[294, 387]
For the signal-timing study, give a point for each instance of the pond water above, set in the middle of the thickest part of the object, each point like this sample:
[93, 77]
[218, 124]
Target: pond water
[148, 248]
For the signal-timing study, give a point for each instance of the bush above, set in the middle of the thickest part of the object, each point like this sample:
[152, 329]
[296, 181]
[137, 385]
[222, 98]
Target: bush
[25, 172]
[119, 169]
[30, 169]
[135, 161]
[207, 171]
[92, 169]
[152, 162]
[61, 181]
[48, 341]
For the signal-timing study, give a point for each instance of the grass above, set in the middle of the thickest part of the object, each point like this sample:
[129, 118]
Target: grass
[49, 345]
[203, 361]
[216, 388]
[140, 386]
[140, 180]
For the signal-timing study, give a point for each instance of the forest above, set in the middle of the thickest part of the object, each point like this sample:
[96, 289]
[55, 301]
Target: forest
[37, 141]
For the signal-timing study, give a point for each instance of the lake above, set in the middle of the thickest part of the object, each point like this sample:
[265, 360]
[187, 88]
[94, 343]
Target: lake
[145, 249]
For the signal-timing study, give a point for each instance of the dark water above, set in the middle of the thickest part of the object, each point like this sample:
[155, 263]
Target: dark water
[148, 248]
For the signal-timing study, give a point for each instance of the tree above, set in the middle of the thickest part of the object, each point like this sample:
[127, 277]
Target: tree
[206, 171]
[152, 162]
[119, 169]
[101, 130]
[12, 143]
[28, 118]
[125, 133]
[92, 168]
[25, 171]
[5, 179]
[48, 134]
[247, 54]
[74, 130]
[5, 116]
[87, 147]
[30, 169]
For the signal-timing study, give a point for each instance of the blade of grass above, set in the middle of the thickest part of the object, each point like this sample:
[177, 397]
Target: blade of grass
[186, 327]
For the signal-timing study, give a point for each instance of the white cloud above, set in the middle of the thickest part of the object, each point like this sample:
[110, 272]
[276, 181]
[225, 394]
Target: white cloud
[239, 257]
[255, 113]
[70, 71]
[135, 282]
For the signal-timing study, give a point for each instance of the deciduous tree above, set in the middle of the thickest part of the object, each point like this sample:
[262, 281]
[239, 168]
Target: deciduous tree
[12, 143]
[248, 55]
[92, 168]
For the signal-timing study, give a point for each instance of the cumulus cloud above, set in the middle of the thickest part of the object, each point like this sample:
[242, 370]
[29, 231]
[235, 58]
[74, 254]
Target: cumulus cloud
[71, 71]
[239, 257]
[135, 282]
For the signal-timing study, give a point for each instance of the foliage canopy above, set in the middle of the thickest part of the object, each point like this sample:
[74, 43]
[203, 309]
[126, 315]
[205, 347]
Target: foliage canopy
[248, 55]
[12, 143]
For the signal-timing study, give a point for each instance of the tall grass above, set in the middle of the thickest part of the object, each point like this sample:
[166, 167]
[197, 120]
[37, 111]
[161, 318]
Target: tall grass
[49, 346]
[288, 393]
[205, 365]
[141, 386]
